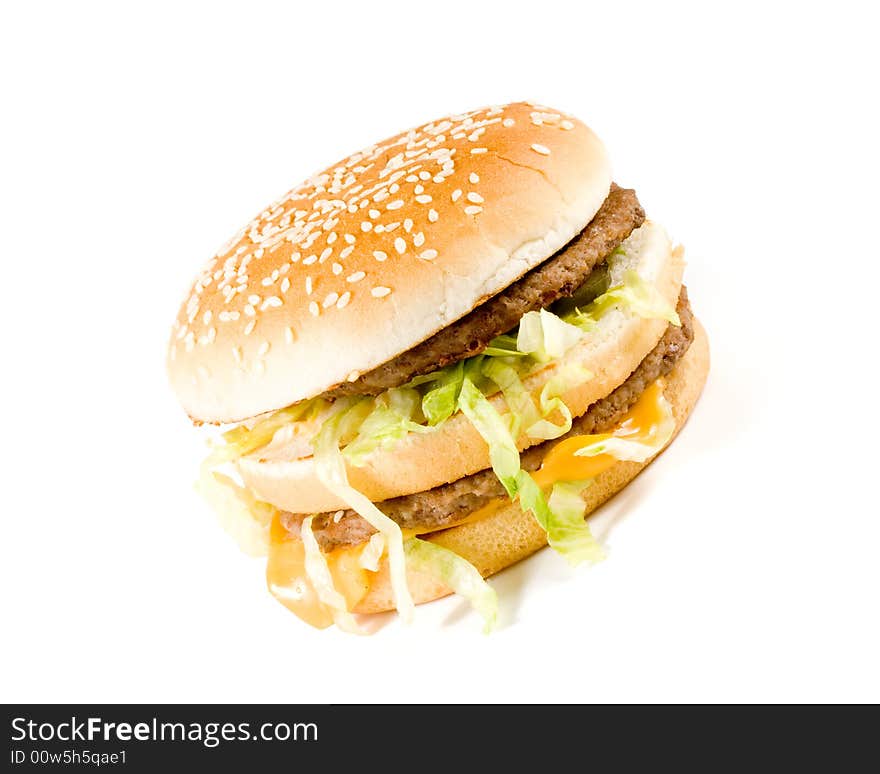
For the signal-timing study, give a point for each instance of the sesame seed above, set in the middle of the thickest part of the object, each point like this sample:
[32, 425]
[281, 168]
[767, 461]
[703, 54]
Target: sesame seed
[474, 178]
[456, 194]
[567, 125]
[542, 149]
[264, 348]
[343, 300]
[236, 354]
[379, 255]
[374, 214]
[380, 292]
[308, 261]
[423, 175]
[285, 285]
[353, 376]
[366, 225]
[350, 238]
[424, 199]
[272, 301]
[473, 210]
[356, 277]
[206, 318]
[419, 189]
[314, 309]
[249, 328]
[330, 299]
[395, 205]
[400, 245]
[428, 255]
[475, 198]
[507, 123]
[266, 281]
[475, 151]
[418, 239]
[249, 310]
[288, 335]
[254, 299]
[433, 216]
[337, 268]
[325, 254]
[332, 238]
[390, 226]
[309, 286]
[407, 225]
[346, 252]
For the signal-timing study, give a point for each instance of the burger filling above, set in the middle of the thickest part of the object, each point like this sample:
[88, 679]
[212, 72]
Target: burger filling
[510, 336]
[449, 504]
[561, 276]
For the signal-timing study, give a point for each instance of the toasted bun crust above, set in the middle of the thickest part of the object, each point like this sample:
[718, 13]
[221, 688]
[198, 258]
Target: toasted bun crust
[508, 535]
[375, 254]
[423, 461]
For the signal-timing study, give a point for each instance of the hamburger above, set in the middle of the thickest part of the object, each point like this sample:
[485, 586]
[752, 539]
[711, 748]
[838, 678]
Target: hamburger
[434, 358]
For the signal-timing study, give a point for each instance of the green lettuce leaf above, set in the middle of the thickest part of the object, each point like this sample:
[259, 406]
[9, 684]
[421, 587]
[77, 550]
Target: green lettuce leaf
[641, 297]
[502, 448]
[565, 533]
[439, 402]
[562, 517]
[394, 414]
[545, 336]
[242, 516]
[457, 573]
[241, 440]
[319, 574]
[330, 468]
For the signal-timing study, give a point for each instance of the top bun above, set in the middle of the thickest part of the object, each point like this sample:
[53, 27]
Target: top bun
[375, 254]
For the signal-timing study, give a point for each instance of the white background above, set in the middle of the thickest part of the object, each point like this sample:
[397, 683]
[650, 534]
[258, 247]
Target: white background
[135, 140]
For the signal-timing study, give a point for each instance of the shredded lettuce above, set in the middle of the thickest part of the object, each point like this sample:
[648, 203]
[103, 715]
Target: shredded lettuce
[457, 573]
[568, 535]
[545, 336]
[242, 516]
[522, 411]
[319, 574]
[394, 414]
[241, 440]
[562, 517]
[550, 401]
[503, 453]
[438, 403]
[641, 297]
[372, 553]
[330, 468]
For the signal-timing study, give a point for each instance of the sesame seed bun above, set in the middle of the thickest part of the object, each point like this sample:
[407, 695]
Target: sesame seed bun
[375, 254]
[419, 461]
[508, 535]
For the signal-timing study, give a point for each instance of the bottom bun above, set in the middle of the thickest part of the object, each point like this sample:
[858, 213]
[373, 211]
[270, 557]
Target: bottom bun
[508, 535]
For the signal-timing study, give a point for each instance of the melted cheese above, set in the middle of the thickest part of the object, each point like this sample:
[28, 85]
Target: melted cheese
[639, 422]
[289, 583]
[285, 571]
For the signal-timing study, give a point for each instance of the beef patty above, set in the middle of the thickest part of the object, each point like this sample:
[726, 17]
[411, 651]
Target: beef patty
[557, 277]
[444, 505]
